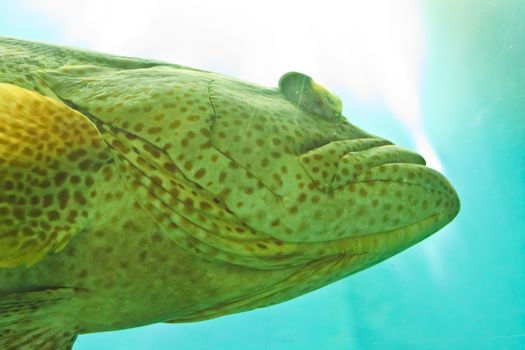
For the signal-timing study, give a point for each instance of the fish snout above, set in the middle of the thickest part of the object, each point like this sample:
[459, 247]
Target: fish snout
[372, 187]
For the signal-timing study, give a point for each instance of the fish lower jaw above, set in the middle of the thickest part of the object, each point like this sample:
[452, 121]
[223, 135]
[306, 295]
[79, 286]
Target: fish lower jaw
[387, 243]
[394, 240]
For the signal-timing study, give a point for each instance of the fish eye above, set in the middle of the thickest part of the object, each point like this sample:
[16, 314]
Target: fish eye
[304, 92]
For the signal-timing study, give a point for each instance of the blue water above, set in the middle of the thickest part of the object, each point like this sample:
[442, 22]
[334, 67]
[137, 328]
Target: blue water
[463, 288]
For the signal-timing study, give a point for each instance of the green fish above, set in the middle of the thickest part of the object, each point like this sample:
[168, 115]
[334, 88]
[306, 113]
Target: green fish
[135, 191]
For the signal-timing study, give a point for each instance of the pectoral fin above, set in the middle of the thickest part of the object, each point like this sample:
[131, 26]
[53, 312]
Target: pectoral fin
[28, 321]
[49, 158]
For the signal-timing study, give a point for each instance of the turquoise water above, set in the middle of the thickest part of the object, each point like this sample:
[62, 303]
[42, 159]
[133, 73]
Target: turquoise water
[463, 288]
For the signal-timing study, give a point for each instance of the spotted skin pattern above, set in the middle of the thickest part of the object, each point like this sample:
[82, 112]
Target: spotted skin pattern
[50, 155]
[137, 191]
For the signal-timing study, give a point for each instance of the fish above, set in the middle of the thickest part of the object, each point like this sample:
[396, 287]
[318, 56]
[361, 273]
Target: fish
[136, 191]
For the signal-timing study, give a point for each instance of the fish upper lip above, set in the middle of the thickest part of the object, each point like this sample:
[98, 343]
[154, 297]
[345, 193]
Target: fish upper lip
[371, 157]
[355, 163]
[357, 144]
[336, 163]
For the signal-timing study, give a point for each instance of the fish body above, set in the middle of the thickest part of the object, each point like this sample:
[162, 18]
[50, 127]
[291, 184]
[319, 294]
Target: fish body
[137, 191]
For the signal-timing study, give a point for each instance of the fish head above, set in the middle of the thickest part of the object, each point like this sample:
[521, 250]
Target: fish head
[284, 162]
[307, 175]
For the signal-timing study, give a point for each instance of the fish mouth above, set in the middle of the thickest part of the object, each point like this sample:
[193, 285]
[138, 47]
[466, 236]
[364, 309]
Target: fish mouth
[420, 194]
[371, 160]
[378, 189]
[408, 174]
[421, 198]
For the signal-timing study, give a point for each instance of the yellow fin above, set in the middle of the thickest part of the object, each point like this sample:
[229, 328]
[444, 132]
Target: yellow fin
[49, 154]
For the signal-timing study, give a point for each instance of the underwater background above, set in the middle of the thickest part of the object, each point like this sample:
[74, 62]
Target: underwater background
[444, 77]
